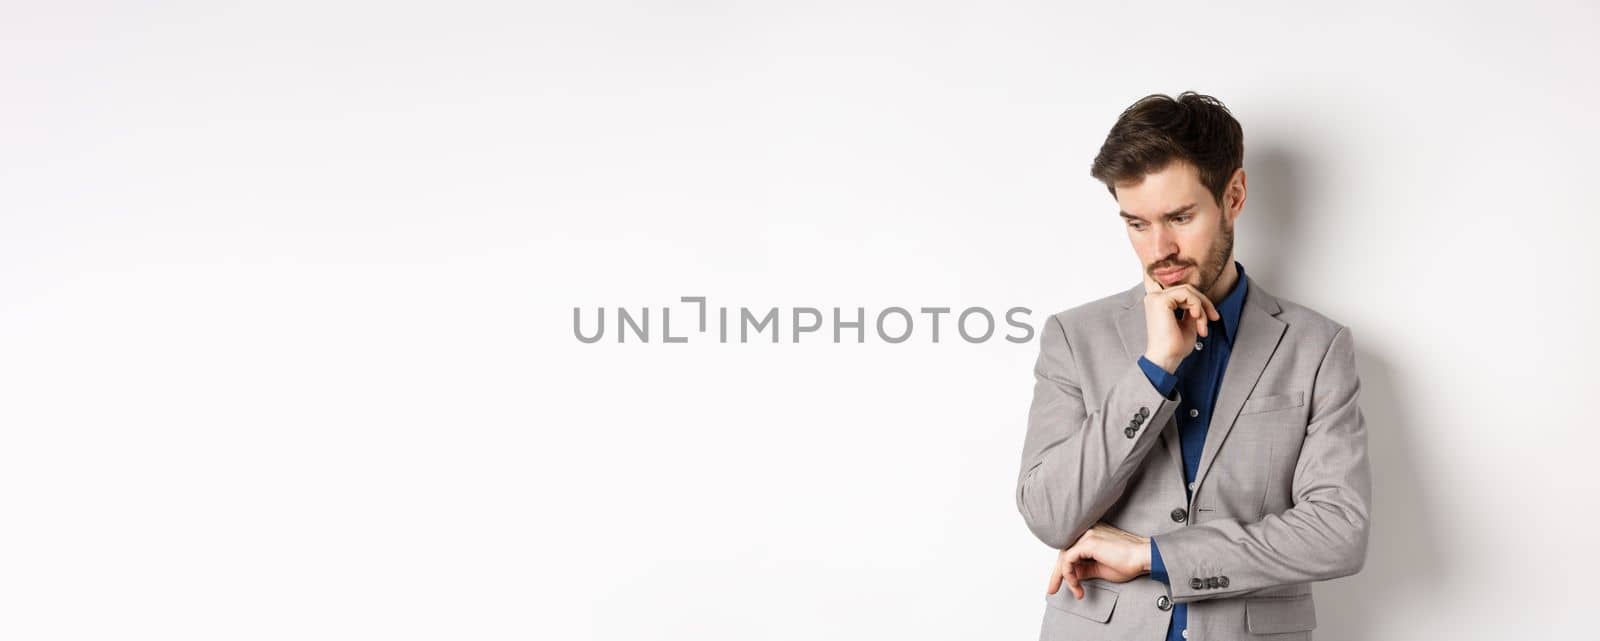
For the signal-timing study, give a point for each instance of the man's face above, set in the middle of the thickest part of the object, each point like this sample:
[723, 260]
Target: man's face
[1178, 230]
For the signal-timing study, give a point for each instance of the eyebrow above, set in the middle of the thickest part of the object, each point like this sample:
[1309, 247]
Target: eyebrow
[1170, 214]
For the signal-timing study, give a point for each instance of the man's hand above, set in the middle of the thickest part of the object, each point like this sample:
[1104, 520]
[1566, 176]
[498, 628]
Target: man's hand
[1169, 340]
[1102, 552]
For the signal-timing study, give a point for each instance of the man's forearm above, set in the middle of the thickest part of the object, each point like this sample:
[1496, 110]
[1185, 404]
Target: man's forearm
[1076, 459]
[1223, 558]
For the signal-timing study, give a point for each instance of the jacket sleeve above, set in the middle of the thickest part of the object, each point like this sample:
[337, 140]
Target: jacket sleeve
[1323, 536]
[1077, 457]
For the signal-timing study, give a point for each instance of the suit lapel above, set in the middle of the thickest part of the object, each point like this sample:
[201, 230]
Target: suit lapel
[1254, 343]
[1130, 325]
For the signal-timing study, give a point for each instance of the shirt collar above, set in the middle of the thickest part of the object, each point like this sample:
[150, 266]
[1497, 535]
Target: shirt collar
[1232, 305]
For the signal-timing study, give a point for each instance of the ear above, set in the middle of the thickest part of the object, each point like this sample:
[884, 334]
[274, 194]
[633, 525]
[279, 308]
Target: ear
[1235, 194]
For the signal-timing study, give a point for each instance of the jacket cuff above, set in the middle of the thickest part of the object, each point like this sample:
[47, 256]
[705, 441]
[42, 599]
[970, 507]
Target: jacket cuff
[1143, 404]
[1192, 576]
[1158, 569]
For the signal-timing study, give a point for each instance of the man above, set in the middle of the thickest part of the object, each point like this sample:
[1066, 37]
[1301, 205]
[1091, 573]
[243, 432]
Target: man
[1194, 446]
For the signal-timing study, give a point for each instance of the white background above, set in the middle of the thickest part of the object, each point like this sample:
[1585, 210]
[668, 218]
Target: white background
[286, 295]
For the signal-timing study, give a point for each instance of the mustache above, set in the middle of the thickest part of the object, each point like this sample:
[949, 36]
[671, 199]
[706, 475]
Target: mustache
[1170, 264]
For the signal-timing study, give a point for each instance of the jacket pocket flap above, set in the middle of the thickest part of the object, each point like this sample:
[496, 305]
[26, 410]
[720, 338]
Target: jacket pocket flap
[1274, 402]
[1282, 614]
[1096, 605]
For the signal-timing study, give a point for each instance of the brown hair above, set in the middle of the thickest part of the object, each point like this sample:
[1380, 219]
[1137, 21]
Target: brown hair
[1158, 129]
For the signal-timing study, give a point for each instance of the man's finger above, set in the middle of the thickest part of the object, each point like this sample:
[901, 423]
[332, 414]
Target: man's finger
[1150, 284]
[1210, 307]
[1055, 578]
[1088, 570]
[1069, 567]
[1184, 298]
[1070, 561]
[1197, 306]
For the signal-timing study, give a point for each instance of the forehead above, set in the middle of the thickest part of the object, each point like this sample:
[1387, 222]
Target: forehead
[1174, 186]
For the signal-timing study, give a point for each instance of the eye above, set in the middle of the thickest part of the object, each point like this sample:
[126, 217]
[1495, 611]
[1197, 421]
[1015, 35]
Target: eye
[1182, 218]
[1137, 226]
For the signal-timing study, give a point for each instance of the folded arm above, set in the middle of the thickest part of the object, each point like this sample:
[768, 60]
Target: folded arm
[1323, 536]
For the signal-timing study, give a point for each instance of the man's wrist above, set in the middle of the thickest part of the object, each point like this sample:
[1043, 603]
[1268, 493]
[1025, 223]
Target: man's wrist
[1144, 555]
[1164, 381]
[1169, 365]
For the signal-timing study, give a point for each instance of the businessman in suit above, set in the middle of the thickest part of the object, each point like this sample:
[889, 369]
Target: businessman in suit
[1194, 448]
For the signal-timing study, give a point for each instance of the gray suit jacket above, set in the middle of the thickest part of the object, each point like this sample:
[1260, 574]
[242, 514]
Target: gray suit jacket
[1281, 498]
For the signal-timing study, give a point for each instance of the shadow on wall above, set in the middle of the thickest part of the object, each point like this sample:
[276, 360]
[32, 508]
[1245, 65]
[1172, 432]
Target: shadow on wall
[1403, 556]
[1270, 214]
[1403, 548]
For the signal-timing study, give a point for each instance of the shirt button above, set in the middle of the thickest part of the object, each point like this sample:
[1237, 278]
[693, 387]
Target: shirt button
[1193, 413]
[1191, 486]
[1199, 346]
[1186, 633]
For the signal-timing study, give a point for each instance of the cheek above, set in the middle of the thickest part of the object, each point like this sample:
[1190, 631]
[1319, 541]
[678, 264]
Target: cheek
[1190, 244]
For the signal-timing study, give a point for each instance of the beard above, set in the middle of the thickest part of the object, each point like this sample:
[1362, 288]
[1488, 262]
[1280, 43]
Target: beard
[1217, 258]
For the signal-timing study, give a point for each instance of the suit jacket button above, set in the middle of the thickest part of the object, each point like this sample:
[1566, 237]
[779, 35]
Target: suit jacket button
[1196, 583]
[1143, 412]
[1211, 582]
[1180, 515]
[1163, 603]
[1222, 581]
[1130, 431]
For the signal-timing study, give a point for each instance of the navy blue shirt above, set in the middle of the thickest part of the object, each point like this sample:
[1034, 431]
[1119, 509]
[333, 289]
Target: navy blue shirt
[1198, 378]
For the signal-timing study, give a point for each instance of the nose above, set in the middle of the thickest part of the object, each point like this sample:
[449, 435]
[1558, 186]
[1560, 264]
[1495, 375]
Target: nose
[1166, 243]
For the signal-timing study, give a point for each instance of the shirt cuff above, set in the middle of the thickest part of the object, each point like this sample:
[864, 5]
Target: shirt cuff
[1163, 380]
[1158, 570]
